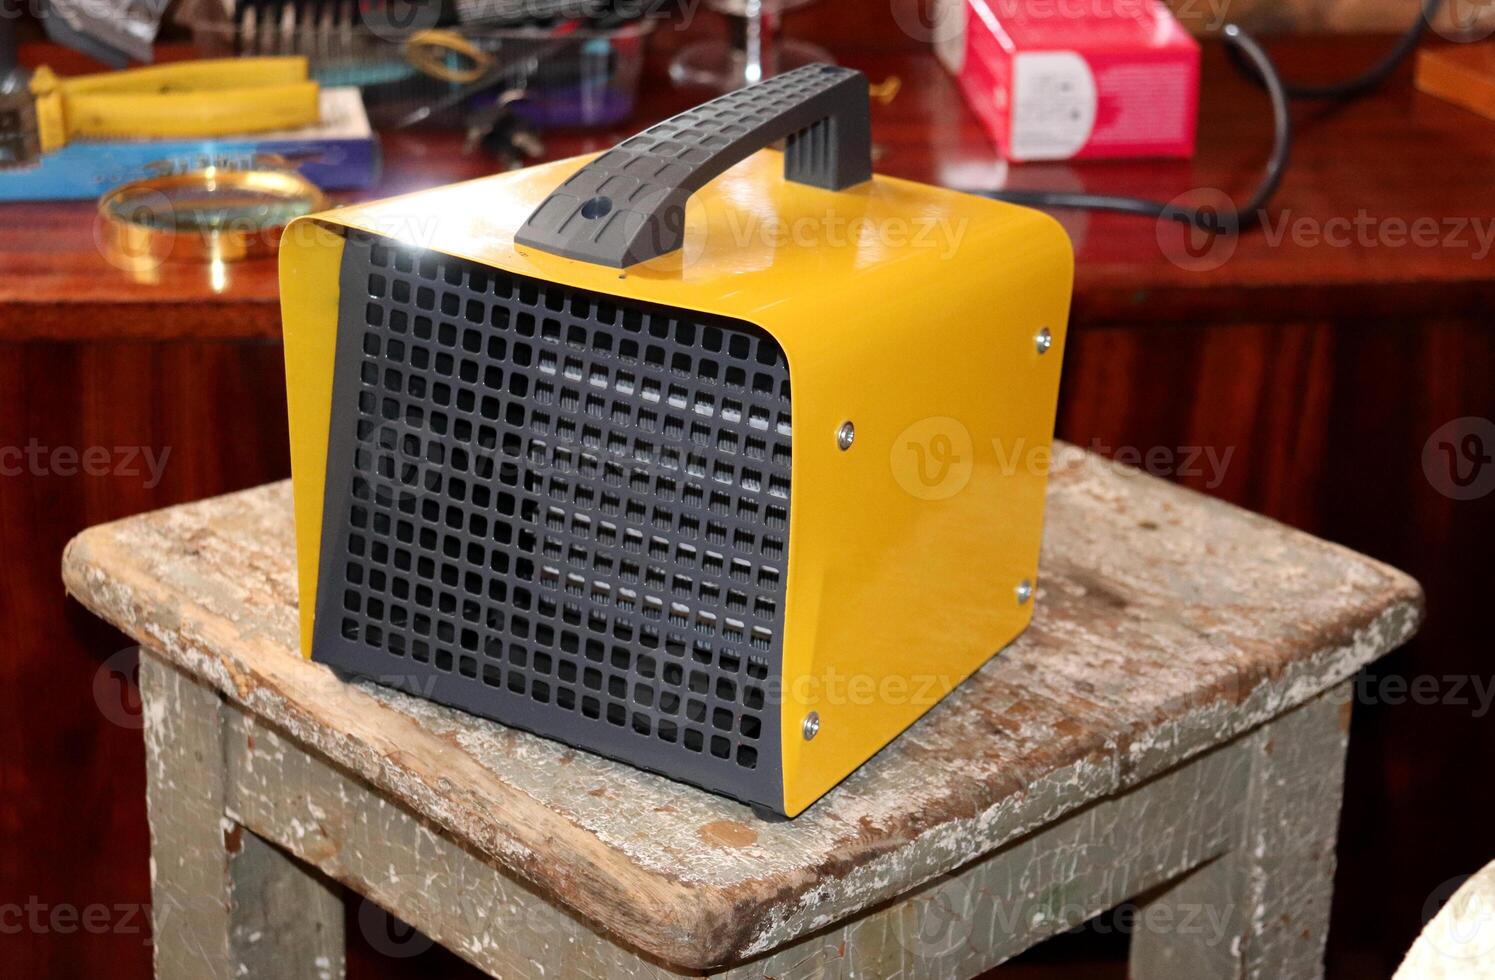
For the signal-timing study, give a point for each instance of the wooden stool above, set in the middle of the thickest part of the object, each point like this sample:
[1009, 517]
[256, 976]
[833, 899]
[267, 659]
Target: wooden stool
[1171, 728]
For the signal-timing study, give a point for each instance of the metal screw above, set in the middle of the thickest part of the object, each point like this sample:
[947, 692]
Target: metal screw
[846, 435]
[811, 727]
[1044, 340]
[1024, 591]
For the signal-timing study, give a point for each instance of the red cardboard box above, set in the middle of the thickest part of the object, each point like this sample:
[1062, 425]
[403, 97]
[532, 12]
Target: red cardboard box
[1075, 79]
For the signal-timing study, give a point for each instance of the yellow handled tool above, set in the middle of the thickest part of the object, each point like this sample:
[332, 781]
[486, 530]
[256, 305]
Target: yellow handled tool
[430, 52]
[212, 97]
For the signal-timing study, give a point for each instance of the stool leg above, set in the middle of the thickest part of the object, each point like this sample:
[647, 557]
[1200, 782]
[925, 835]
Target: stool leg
[1262, 910]
[224, 904]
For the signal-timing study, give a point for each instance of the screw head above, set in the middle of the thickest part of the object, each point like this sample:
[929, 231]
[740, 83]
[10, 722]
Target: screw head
[846, 435]
[1044, 340]
[1024, 591]
[811, 727]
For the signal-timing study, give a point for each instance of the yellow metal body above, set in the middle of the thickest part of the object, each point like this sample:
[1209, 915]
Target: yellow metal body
[910, 311]
[208, 97]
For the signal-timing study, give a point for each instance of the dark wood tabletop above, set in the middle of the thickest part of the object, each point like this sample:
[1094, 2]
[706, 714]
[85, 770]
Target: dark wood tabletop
[1363, 176]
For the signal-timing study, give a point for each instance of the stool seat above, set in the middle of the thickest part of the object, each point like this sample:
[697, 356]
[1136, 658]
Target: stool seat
[1183, 652]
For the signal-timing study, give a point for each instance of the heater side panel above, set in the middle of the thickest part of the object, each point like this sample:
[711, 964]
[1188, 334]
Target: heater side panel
[310, 261]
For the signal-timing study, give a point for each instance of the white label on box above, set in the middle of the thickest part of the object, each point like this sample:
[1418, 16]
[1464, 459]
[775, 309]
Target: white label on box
[1053, 105]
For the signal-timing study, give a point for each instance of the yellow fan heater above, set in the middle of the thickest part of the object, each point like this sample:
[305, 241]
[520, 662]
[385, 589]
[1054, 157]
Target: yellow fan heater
[718, 461]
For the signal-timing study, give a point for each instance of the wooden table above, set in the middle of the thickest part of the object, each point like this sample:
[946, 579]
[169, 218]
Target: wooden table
[1173, 725]
[1396, 156]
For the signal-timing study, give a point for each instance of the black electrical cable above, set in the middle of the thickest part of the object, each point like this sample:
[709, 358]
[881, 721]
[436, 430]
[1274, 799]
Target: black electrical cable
[1249, 55]
[1366, 80]
[1208, 219]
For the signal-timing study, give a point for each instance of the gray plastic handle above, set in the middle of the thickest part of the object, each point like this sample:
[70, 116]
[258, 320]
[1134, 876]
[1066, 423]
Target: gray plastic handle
[628, 205]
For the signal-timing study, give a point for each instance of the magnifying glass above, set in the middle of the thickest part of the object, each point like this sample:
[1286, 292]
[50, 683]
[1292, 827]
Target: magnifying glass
[209, 215]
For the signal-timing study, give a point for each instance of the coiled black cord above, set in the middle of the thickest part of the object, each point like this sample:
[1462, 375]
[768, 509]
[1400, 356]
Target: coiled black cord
[1247, 54]
[1362, 83]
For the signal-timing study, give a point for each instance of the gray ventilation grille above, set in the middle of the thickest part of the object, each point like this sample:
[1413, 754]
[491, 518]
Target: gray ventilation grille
[562, 510]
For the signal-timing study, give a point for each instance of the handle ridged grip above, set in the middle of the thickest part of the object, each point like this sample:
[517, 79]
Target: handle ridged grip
[628, 205]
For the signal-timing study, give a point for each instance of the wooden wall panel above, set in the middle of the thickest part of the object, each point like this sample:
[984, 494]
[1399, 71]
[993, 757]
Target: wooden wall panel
[72, 779]
[1327, 422]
